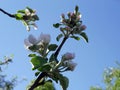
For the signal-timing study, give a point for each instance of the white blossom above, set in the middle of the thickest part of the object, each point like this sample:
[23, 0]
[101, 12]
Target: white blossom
[32, 39]
[27, 12]
[34, 26]
[44, 38]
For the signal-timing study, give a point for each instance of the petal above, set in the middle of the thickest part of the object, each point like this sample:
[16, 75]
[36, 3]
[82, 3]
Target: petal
[32, 39]
[45, 38]
[27, 43]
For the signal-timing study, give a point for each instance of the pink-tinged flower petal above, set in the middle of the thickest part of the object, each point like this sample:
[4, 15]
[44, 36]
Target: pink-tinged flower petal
[71, 65]
[68, 56]
[45, 38]
[28, 28]
[35, 26]
[83, 27]
[32, 39]
[27, 43]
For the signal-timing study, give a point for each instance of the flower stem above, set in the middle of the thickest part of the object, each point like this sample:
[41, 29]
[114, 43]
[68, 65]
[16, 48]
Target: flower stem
[8, 14]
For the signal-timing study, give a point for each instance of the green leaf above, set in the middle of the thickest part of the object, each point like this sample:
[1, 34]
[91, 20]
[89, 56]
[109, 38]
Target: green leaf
[19, 16]
[35, 17]
[52, 47]
[37, 73]
[59, 37]
[31, 10]
[34, 48]
[45, 68]
[37, 62]
[75, 37]
[52, 58]
[32, 55]
[83, 34]
[48, 85]
[64, 82]
[56, 25]
[76, 9]
[21, 11]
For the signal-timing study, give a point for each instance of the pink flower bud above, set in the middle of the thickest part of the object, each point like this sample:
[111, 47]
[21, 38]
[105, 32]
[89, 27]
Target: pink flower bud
[69, 14]
[68, 28]
[83, 27]
[70, 65]
[63, 16]
[68, 56]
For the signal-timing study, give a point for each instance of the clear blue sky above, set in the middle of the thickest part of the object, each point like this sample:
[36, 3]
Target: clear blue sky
[102, 18]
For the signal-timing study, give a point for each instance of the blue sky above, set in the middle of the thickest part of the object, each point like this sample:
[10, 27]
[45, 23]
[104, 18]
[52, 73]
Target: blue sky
[102, 18]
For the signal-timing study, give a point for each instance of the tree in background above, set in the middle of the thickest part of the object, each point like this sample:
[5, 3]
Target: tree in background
[6, 84]
[111, 78]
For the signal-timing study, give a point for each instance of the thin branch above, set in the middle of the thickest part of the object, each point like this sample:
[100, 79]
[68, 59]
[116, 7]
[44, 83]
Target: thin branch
[37, 81]
[8, 14]
[59, 48]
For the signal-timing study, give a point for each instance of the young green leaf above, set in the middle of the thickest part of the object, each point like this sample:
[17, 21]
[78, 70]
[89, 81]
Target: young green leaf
[34, 48]
[83, 34]
[75, 37]
[52, 47]
[56, 25]
[52, 58]
[45, 68]
[35, 17]
[31, 10]
[19, 16]
[76, 9]
[37, 62]
[32, 55]
[59, 37]
[64, 81]
[37, 73]
[21, 11]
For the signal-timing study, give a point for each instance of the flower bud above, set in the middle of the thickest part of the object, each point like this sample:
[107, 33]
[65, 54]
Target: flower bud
[67, 28]
[83, 27]
[68, 56]
[70, 65]
[63, 16]
[69, 14]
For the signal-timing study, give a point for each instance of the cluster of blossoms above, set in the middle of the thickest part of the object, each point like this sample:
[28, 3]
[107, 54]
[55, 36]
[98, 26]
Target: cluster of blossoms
[28, 17]
[67, 61]
[37, 44]
[73, 25]
[40, 45]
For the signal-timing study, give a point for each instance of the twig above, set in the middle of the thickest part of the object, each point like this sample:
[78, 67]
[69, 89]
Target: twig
[36, 83]
[8, 14]
[59, 48]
